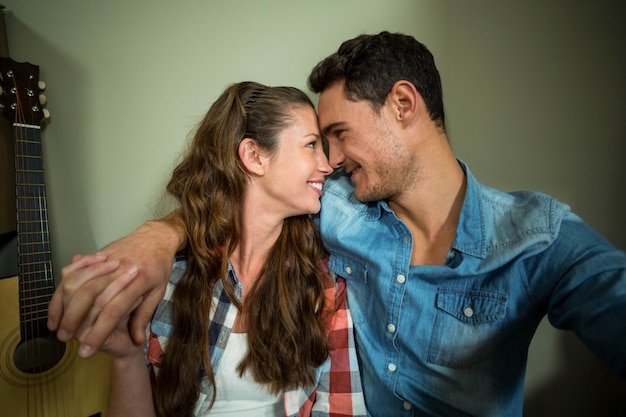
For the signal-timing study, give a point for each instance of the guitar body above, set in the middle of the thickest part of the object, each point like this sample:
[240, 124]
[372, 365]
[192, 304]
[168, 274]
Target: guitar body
[74, 387]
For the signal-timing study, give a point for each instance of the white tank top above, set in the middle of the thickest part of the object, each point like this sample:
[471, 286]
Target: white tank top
[242, 397]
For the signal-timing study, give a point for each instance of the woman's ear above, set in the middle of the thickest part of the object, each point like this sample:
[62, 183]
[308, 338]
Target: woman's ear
[251, 156]
[405, 100]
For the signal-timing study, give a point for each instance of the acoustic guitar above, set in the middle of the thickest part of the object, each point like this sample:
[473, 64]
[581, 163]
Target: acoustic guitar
[39, 375]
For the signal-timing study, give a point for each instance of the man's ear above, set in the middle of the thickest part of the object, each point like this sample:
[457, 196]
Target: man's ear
[251, 156]
[405, 100]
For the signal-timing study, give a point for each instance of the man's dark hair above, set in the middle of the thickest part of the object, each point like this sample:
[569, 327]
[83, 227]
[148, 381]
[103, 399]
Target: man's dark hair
[371, 64]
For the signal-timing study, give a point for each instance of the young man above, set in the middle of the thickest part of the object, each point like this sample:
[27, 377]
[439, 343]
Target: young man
[447, 278]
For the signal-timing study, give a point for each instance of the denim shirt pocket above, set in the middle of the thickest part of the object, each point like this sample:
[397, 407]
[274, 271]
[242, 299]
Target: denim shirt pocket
[355, 273]
[468, 326]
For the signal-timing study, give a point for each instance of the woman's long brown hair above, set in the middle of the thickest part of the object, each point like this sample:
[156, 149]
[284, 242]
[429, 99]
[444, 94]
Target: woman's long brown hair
[286, 338]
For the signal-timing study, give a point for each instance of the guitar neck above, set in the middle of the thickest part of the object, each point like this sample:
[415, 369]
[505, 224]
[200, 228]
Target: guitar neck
[36, 284]
[38, 374]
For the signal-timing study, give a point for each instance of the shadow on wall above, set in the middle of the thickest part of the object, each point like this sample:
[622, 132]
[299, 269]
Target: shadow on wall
[583, 387]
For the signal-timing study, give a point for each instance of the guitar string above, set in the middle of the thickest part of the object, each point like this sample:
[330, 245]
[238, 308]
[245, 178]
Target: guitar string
[22, 240]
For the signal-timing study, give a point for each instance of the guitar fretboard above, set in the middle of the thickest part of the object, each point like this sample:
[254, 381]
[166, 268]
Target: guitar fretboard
[36, 284]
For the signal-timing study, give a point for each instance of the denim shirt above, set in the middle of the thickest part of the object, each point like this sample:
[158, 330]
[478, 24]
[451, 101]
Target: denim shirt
[453, 340]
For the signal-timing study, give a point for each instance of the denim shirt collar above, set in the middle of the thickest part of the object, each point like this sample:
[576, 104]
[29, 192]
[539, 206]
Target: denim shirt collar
[470, 234]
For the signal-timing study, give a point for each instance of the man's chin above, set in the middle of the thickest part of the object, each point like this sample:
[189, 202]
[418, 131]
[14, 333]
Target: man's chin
[364, 196]
[368, 195]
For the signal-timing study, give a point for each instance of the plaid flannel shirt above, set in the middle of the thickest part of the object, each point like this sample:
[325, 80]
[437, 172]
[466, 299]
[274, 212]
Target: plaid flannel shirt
[338, 392]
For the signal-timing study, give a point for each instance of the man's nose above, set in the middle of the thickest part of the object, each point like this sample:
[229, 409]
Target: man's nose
[335, 156]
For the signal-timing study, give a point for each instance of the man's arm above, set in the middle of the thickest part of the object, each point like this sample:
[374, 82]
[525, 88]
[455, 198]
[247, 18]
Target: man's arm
[98, 291]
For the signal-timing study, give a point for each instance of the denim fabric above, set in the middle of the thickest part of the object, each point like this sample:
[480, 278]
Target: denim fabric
[452, 340]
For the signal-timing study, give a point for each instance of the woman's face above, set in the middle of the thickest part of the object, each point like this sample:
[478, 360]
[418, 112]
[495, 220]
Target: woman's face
[296, 171]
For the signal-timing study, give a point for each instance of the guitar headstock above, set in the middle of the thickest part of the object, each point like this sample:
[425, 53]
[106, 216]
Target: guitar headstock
[20, 95]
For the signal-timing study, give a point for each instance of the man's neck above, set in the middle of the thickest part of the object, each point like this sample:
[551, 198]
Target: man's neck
[431, 210]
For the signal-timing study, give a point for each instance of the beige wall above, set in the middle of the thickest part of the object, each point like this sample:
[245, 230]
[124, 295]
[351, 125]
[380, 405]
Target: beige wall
[535, 99]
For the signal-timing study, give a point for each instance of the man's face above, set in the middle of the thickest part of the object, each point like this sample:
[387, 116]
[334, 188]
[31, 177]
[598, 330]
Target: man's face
[365, 144]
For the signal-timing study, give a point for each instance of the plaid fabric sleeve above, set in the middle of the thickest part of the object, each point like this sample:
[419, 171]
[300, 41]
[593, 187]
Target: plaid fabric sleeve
[339, 392]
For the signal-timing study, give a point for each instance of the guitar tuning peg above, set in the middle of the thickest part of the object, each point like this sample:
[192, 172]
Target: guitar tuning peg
[41, 85]
[46, 114]
[43, 99]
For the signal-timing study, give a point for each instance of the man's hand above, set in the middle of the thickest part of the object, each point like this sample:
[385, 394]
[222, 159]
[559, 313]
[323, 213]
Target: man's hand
[98, 291]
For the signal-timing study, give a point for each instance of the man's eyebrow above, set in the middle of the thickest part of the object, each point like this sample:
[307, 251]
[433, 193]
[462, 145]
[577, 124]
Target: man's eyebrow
[327, 129]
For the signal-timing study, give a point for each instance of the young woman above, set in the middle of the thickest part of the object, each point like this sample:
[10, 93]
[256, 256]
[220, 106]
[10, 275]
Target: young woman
[252, 323]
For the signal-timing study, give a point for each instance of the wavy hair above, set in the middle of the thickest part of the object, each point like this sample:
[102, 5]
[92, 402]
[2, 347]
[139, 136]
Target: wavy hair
[286, 337]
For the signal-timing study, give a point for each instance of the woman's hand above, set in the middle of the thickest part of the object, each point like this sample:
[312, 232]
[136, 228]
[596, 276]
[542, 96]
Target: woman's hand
[125, 279]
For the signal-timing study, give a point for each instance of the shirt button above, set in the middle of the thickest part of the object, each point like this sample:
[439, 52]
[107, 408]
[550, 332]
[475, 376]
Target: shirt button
[348, 270]
[469, 312]
[391, 367]
[406, 405]
[401, 278]
[391, 328]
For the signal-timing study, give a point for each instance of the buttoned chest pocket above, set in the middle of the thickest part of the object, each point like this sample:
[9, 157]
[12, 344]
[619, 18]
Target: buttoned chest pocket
[468, 326]
[355, 273]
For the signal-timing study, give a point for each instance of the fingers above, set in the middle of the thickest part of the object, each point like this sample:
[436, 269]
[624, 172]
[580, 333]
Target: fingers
[115, 287]
[78, 306]
[82, 269]
[143, 314]
[107, 319]
[106, 295]
[119, 343]
[95, 293]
